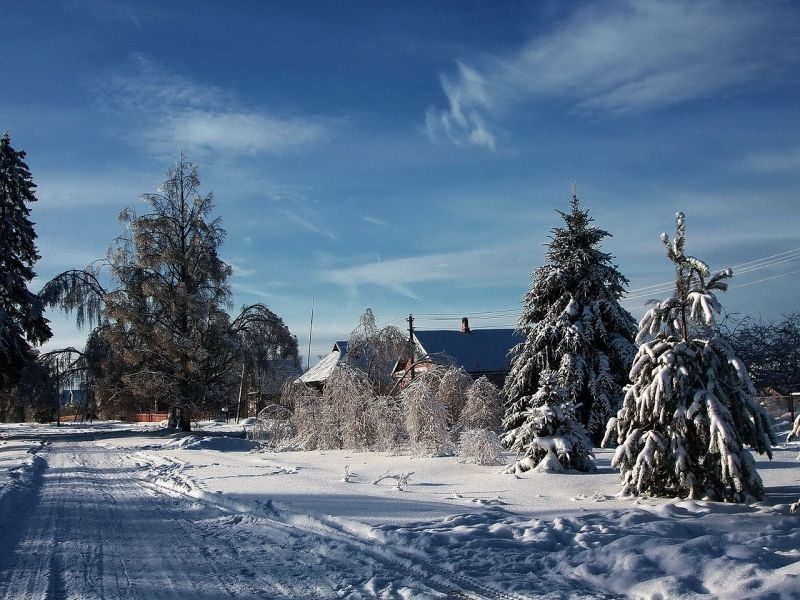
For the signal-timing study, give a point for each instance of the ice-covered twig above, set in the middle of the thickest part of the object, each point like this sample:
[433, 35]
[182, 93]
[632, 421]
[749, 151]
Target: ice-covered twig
[348, 474]
[402, 478]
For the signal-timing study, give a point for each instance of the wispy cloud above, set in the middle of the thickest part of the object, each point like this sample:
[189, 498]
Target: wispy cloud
[307, 219]
[773, 162]
[628, 56]
[173, 111]
[480, 267]
[374, 221]
[70, 191]
[239, 268]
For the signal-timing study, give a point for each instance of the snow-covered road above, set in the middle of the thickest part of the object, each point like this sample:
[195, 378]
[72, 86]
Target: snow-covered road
[90, 527]
[110, 511]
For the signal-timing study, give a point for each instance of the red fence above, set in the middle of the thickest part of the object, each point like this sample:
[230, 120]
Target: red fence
[150, 417]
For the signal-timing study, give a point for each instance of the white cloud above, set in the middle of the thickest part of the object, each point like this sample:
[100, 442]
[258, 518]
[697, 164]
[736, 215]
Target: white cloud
[237, 132]
[462, 122]
[68, 191]
[375, 221]
[307, 219]
[629, 56]
[770, 162]
[175, 112]
[480, 266]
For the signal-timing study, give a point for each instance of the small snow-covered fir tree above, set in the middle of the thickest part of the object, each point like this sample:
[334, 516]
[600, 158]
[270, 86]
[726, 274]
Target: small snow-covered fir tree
[550, 439]
[426, 421]
[689, 410]
[484, 406]
[574, 325]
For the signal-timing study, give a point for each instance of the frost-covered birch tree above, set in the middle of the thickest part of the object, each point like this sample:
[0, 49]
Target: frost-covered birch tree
[551, 439]
[162, 322]
[689, 414]
[483, 408]
[574, 325]
[426, 421]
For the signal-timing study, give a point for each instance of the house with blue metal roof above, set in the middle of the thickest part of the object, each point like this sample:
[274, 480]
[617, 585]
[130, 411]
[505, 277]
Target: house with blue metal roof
[478, 351]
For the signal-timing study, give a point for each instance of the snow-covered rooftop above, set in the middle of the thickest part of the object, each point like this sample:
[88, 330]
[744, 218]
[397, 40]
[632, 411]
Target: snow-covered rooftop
[322, 370]
[479, 351]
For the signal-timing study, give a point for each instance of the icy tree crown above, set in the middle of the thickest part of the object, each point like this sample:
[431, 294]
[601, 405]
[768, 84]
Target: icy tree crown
[694, 292]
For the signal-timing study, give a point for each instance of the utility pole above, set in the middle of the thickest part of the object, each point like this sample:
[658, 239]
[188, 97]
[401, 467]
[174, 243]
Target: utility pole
[411, 342]
[241, 387]
[310, 331]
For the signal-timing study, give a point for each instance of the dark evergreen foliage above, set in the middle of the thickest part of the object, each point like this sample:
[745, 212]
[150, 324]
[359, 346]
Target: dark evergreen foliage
[551, 439]
[573, 325]
[21, 320]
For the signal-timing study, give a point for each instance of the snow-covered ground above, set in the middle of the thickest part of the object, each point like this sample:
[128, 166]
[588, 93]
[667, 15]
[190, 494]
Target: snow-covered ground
[114, 510]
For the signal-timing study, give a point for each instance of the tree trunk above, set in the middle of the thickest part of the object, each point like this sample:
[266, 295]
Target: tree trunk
[172, 419]
[184, 419]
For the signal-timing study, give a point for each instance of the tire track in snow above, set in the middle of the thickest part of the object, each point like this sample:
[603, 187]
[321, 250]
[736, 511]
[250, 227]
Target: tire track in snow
[95, 531]
[170, 480]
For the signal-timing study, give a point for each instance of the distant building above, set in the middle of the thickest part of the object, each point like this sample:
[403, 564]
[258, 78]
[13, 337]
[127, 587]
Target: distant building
[478, 351]
[318, 375]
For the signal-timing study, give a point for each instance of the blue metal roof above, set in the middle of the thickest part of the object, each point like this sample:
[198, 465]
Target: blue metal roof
[480, 351]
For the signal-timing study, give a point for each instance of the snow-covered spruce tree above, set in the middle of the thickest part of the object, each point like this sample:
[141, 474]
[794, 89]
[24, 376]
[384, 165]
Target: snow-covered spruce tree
[689, 411]
[551, 439]
[21, 320]
[426, 421]
[574, 325]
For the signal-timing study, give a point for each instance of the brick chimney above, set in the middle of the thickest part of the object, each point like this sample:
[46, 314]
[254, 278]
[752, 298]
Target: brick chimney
[464, 325]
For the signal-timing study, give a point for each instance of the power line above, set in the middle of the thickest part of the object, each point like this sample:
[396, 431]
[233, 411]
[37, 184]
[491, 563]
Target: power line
[744, 267]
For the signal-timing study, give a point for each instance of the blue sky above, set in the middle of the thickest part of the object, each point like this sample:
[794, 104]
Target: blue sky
[410, 156]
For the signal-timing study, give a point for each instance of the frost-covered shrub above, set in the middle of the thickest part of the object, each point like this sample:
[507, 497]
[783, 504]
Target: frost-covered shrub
[480, 446]
[426, 421]
[452, 391]
[306, 418]
[689, 410]
[550, 439]
[342, 409]
[483, 408]
[274, 427]
[386, 429]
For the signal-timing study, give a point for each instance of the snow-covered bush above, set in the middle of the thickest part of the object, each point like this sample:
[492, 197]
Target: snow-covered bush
[574, 325]
[480, 446]
[689, 410]
[306, 419]
[483, 408]
[426, 421]
[342, 410]
[385, 424]
[551, 439]
[274, 426]
[452, 391]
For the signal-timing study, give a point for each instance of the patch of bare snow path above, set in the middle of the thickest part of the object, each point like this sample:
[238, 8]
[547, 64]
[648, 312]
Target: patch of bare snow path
[90, 527]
